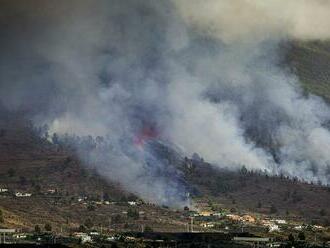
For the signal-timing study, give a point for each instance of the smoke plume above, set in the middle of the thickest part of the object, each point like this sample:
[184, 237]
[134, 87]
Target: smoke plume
[255, 20]
[205, 76]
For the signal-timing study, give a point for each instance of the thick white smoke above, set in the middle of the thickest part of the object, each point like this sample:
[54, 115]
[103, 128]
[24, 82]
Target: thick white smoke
[255, 20]
[262, 101]
[204, 75]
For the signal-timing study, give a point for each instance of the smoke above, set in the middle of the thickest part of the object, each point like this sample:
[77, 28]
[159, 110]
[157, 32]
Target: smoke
[256, 20]
[205, 76]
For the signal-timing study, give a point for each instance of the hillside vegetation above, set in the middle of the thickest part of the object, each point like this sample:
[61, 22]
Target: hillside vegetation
[311, 62]
[32, 164]
[65, 193]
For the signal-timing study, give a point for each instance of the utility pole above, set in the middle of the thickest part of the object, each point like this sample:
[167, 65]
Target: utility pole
[192, 224]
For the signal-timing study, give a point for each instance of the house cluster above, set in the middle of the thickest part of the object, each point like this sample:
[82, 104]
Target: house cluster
[207, 217]
[84, 237]
[85, 201]
[5, 191]
[93, 236]
[313, 227]
[272, 226]
[246, 218]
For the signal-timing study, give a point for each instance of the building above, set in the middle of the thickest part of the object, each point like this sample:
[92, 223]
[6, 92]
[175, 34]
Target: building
[51, 191]
[207, 224]
[233, 217]
[20, 194]
[316, 227]
[248, 218]
[273, 228]
[206, 213]
[20, 236]
[279, 221]
[298, 227]
[84, 237]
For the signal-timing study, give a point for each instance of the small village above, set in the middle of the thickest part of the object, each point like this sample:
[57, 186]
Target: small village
[201, 218]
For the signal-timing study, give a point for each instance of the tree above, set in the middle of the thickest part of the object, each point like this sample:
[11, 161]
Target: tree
[11, 172]
[82, 228]
[233, 210]
[114, 245]
[37, 229]
[196, 157]
[148, 229]
[132, 197]
[301, 236]
[273, 209]
[291, 238]
[89, 223]
[133, 213]
[22, 180]
[91, 207]
[116, 219]
[323, 212]
[259, 205]
[55, 139]
[1, 217]
[48, 227]
[37, 188]
[106, 197]
[2, 133]
[243, 170]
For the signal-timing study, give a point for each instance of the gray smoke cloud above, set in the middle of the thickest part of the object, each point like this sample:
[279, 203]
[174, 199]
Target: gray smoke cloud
[257, 20]
[203, 75]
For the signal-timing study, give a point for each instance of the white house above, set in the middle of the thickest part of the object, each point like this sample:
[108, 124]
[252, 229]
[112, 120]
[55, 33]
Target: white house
[207, 225]
[20, 236]
[20, 194]
[298, 228]
[273, 228]
[51, 191]
[111, 238]
[318, 227]
[83, 236]
[279, 221]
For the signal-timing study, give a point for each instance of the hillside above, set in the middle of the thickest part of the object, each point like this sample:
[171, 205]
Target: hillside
[65, 193]
[33, 165]
[254, 192]
[60, 183]
[311, 62]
